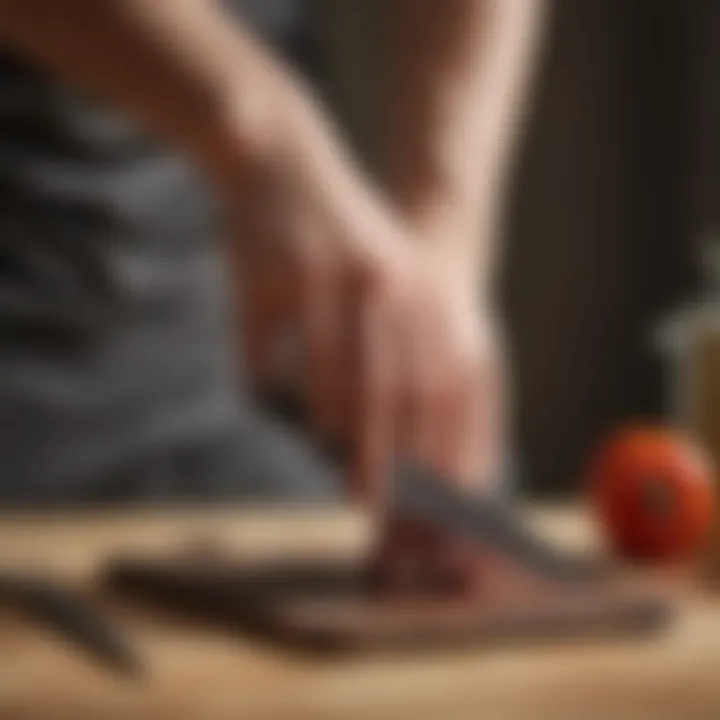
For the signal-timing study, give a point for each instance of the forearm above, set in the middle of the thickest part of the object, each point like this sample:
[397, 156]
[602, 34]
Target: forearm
[187, 72]
[458, 75]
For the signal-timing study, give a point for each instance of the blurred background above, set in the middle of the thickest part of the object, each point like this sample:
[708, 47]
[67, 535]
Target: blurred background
[614, 190]
[617, 184]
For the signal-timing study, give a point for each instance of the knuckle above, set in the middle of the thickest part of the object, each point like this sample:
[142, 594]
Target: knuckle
[309, 265]
[424, 389]
[380, 387]
[471, 357]
[471, 364]
[374, 277]
[317, 273]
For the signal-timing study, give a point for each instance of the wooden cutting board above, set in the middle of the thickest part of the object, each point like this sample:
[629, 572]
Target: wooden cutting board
[197, 672]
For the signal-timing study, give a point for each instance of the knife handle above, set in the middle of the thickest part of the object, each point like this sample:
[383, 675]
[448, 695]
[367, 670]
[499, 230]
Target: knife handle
[286, 406]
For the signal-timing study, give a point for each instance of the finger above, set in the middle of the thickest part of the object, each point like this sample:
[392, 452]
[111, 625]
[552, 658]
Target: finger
[320, 330]
[450, 429]
[373, 431]
[493, 425]
[342, 400]
[480, 428]
[264, 320]
[425, 389]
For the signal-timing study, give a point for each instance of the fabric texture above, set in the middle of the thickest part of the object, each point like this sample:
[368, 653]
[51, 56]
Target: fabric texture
[115, 340]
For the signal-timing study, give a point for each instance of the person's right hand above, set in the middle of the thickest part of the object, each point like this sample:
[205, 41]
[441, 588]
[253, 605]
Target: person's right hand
[391, 361]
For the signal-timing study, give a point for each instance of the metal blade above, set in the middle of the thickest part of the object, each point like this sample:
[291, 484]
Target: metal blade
[51, 604]
[418, 493]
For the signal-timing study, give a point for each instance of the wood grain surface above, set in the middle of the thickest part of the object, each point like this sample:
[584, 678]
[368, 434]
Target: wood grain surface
[197, 672]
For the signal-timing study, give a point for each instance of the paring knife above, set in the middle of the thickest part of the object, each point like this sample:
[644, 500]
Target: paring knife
[51, 604]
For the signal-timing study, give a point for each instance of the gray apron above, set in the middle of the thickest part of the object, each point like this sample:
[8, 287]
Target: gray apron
[117, 378]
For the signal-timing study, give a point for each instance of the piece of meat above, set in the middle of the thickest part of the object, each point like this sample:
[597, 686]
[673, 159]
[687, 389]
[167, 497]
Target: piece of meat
[415, 558]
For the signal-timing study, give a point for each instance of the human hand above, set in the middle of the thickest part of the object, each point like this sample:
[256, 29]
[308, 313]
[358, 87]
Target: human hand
[395, 357]
[414, 557]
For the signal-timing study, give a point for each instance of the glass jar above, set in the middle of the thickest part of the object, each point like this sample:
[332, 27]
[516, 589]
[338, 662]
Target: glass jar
[691, 340]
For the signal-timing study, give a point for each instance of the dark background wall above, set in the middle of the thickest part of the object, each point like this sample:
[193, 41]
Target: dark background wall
[598, 244]
[616, 182]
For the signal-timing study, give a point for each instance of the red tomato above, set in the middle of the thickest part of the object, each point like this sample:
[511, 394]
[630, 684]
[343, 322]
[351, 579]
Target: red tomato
[654, 492]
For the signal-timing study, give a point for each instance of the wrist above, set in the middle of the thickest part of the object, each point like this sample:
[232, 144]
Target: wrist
[284, 149]
[460, 248]
[244, 137]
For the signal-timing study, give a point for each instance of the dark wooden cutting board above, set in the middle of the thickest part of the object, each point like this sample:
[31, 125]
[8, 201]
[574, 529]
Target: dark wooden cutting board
[328, 605]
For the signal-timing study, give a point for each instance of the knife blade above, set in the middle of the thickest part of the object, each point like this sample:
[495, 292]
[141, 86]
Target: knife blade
[419, 493]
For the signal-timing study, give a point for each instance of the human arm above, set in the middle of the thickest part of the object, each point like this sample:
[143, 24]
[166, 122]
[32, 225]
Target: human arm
[458, 79]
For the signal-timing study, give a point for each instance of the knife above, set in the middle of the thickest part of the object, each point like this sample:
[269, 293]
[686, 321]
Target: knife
[51, 604]
[419, 493]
